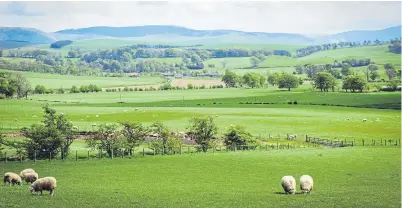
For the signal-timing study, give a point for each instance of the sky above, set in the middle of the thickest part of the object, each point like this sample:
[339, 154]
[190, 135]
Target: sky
[315, 18]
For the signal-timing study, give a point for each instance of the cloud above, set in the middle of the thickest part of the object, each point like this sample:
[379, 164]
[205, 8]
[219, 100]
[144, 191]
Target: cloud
[282, 17]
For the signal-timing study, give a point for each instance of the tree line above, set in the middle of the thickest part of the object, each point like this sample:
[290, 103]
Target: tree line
[55, 134]
[301, 52]
[12, 84]
[395, 46]
[255, 80]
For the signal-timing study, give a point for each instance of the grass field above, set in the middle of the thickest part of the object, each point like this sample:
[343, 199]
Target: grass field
[343, 177]
[66, 81]
[176, 107]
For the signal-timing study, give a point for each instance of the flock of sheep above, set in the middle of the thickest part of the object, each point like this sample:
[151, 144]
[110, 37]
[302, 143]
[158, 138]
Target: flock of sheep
[289, 184]
[30, 176]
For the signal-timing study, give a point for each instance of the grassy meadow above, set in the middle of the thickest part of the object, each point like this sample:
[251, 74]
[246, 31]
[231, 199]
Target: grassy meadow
[358, 176]
[343, 177]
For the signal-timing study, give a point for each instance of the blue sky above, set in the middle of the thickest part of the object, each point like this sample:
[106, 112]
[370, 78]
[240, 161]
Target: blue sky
[283, 17]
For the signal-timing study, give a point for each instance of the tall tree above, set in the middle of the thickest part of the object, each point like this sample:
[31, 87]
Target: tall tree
[107, 137]
[370, 70]
[288, 81]
[390, 70]
[204, 130]
[255, 61]
[353, 83]
[230, 79]
[324, 81]
[273, 78]
[163, 132]
[134, 133]
[23, 85]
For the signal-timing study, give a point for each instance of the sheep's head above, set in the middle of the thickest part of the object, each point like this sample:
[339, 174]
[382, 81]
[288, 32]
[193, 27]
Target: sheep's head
[31, 189]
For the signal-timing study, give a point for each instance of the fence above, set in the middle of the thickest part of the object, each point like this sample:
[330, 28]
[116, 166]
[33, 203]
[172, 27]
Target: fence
[197, 149]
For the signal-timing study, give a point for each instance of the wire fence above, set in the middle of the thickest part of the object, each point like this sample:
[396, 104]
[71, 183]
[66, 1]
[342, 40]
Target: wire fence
[310, 142]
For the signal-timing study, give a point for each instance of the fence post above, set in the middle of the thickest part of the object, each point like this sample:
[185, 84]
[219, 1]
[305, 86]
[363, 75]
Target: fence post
[143, 152]
[385, 142]
[20, 158]
[154, 151]
[352, 143]
[363, 141]
[34, 156]
[76, 155]
[112, 153]
[288, 145]
[6, 156]
[50, 156]
[88, 155]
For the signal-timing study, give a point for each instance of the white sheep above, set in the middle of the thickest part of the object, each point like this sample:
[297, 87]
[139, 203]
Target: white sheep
[306, 183]
[12, 178]
[292, 136]
[31, 177]
[43, 184]
[29, 170]
[364, 120]
[288, 184]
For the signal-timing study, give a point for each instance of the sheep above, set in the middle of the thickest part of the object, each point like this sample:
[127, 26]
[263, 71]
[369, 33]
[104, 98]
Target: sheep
[364, 120]
[29, 170]
[306, 184]
[288, 184]
[43, 184]
[290, 137]
[12, 178]
[31, 177]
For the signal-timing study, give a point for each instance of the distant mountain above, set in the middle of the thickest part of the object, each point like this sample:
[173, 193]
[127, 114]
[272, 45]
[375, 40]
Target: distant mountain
[18, 37]
[163, 30]
[362, 35]
[29, 35]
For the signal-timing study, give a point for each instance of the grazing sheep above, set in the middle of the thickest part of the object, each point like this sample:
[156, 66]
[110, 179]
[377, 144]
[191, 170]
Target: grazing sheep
[306, 184]
[290, 137]
[29, 170]
[43, 184]
[31, 177]
[12, 178]
[288, 184]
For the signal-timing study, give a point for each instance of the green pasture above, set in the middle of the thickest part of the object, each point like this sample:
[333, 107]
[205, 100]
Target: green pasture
[56, 81]
[343, 177]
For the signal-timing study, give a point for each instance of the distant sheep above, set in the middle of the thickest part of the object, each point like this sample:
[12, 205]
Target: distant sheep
[29, 170]
[43, 184]
[306, 183]
[288, 184]
[364, 120]
[290, 137]
[12, 178]
[31, 177]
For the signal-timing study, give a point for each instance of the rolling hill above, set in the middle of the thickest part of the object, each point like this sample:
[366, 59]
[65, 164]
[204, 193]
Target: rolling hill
[17, 37]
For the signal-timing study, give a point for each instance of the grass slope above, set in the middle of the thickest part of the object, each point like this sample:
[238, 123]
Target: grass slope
[343, 177]
[66, 81]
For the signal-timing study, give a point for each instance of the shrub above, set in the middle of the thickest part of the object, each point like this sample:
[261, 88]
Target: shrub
[295, 102]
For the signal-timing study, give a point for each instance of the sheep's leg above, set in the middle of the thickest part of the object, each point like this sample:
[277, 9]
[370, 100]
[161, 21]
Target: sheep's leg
[52, 192]
[41, 192]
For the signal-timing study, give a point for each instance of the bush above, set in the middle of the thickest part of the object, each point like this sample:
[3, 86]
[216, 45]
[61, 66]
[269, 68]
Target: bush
[295, 102]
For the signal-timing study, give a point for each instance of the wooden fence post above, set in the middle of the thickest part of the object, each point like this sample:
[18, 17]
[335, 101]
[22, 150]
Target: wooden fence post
[34, 156]
[143, 152]
[50, 155]
[6, 156]
[76, 155]
[363, 141]
[20, 158]
[385, 142]
[112, 152]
